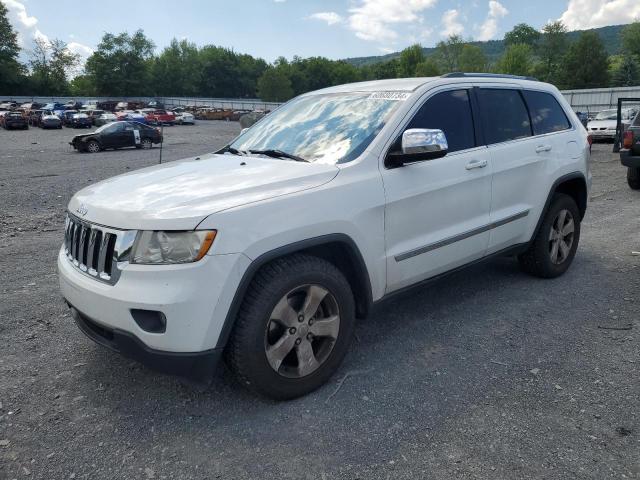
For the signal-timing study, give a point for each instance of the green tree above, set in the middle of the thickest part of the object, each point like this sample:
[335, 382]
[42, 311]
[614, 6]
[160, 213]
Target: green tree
[626, 73]
[176, 71]
[472, 59]
[553, 46]
[448, 53]
[82, 86]
[631, 39]
[11, 70]
[428, 68]
[274, 86]
[410, 57]
[52, 64]
[586, 63]
[121, 65]
[522, 34]
[381, 70]
[344, 72]
[516, 60]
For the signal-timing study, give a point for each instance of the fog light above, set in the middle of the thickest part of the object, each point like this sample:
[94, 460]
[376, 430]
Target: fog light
[150, 320]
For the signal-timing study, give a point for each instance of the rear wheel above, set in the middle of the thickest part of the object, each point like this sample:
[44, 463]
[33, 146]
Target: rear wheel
[556, 242]
[93, 146]
[633, 177]
[294, 327]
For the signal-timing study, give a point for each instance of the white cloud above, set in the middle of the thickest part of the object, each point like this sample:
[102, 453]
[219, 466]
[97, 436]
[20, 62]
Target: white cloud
[489, 28]
[582, 14]
[27, 28]
[330, 17]
[450, 23]
[22, 23]
[372, 20]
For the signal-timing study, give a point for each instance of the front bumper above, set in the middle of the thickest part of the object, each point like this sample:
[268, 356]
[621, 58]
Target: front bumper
[198, 366]
[602, 133]
[193, 298]
[628, 159]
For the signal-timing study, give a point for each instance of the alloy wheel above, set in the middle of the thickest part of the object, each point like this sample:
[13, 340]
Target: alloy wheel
[561, 236]
[93, 147]
[302, 331]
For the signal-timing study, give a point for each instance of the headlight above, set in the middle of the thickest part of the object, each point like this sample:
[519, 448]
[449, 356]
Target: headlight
[163, 248]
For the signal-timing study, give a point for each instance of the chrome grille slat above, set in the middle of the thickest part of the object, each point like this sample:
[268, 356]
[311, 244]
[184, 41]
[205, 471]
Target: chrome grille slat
[95, 250]
[82, 248]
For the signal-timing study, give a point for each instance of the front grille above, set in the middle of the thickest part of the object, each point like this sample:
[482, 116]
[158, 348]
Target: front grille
[96, 250]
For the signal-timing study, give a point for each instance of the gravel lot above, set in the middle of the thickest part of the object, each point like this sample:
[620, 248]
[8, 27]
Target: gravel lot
[488, 373]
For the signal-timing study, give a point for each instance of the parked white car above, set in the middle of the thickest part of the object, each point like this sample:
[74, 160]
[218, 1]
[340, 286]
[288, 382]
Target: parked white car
[185, 118]
[603, 126]
[269, 250]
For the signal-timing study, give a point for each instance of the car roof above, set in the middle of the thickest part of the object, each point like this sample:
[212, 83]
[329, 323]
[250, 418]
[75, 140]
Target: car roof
[410, 85]
[392, 84]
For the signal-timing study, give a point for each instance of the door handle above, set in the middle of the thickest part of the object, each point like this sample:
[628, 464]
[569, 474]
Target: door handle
[543, 148]
[476, 164]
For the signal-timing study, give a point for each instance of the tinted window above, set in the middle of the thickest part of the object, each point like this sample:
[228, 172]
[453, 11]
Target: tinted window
[451, 113]
[546, 113]
[504, 115]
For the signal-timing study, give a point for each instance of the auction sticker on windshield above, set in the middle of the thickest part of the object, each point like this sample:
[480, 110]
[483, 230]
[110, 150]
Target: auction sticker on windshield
[389, 95]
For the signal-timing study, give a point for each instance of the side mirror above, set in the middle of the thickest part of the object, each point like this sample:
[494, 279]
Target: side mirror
[419, 144]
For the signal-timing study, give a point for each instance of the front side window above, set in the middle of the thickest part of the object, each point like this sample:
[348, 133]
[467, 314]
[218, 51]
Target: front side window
[547, 115]
[450, 112]
[504, 115]
[323, 128]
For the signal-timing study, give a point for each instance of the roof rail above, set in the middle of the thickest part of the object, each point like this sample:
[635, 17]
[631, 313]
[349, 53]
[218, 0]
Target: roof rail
[487, 75]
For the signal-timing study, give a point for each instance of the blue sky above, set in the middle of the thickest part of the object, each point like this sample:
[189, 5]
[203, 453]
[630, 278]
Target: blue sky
[330, 28]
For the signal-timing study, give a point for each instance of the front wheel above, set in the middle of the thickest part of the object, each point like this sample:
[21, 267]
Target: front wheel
[633, 177]
[93, 146]
[146, 144]
[552, 250]
[294, 327]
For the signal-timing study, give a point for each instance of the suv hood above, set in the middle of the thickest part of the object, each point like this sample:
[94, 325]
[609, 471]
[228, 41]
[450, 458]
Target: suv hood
[179, 195]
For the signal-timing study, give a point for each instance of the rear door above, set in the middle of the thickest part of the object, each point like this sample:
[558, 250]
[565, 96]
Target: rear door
[521, 160]
[437, 211]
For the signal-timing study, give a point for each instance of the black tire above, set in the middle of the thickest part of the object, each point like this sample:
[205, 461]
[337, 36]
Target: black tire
[538, 259]
[246, 351]
[633, 177]
[146, 144]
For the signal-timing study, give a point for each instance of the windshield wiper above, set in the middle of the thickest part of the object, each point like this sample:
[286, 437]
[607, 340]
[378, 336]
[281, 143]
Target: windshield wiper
[278, 154]
[232, 151]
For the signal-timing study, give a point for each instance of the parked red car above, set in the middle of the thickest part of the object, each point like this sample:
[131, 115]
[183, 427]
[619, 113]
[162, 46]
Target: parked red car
[158, 117]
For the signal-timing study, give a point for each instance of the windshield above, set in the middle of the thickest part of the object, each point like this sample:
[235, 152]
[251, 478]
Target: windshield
[329, 128]
[613, 115]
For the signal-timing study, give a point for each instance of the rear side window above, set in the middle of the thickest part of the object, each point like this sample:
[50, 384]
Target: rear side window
[504, 115]
[547, 115]
[450, 112]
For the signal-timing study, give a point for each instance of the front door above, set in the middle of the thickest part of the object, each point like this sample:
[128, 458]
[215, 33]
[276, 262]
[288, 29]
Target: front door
[437, 212]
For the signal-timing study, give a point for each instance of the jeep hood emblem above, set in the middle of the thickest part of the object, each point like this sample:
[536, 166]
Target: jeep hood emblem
[82, 210]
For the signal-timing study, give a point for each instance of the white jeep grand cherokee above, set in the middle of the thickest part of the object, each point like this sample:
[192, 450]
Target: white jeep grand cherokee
[268, 250]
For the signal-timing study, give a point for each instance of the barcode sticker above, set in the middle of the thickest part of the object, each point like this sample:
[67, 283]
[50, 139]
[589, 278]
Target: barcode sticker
[397, 96]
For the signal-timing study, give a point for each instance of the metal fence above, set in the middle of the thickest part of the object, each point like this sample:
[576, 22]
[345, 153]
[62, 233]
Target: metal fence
[595, 99]
[588, 101]
[226, 103]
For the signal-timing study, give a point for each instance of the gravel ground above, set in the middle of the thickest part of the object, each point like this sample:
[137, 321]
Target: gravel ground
[488, 373]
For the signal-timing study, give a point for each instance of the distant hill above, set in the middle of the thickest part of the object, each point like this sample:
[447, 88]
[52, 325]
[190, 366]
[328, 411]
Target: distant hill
[493, 49]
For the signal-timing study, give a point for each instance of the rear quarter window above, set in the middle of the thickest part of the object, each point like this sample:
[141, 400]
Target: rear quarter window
[547, 116]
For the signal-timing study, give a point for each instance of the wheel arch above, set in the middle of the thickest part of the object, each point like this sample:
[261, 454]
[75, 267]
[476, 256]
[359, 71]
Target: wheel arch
[338, 249]
[573, 184]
